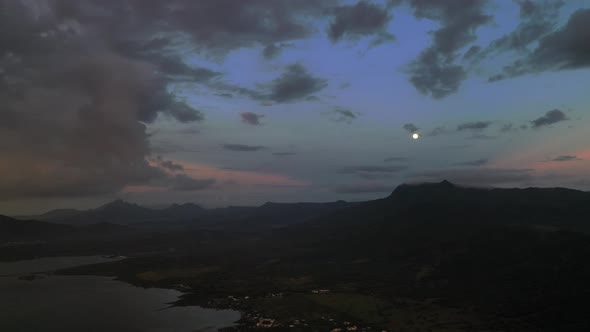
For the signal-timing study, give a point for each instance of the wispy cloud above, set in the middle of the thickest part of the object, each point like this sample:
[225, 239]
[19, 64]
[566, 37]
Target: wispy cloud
[243, 147]
[344, 115]
[478, 162]
[240, 177]
[565, 158]
[477, 125]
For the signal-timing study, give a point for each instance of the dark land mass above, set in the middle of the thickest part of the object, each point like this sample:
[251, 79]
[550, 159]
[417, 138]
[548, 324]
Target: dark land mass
[190, 216]
[431, 257]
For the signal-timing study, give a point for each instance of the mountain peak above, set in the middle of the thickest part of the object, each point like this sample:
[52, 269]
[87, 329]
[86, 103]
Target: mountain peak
[117, 204]
[187, 205]
[446, 183]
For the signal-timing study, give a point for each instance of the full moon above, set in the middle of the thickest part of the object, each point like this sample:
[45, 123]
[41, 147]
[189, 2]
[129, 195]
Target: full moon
[415, 135]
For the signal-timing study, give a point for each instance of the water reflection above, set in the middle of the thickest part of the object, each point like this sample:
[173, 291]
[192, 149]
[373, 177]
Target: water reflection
[88, 303]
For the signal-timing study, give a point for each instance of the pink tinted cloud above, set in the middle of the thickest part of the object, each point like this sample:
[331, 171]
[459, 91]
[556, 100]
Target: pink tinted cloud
[251, 178]
[240, 177]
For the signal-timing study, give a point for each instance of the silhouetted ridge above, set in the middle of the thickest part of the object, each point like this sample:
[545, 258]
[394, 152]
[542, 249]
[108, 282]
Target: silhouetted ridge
[118, 204]
[443, 185]
[11, 228]
[59, 214]
[445, 201]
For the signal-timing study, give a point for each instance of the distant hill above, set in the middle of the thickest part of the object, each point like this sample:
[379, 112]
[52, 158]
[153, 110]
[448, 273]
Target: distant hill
[513, 256]
[429, 202]
[11, 228]
[265, 217]
[192, 216]
[17, 229]
[58, 214]
[445, 202]
[115, 212]
[184, 211]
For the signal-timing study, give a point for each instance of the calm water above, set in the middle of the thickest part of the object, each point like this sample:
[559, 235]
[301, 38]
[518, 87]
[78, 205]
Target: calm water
[87, 303]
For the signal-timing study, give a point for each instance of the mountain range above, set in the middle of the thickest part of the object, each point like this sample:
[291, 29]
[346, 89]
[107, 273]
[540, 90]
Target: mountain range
[516, 259]
[442, 202]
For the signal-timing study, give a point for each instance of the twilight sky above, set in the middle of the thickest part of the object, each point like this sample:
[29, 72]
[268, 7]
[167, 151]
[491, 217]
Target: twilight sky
[238, 102]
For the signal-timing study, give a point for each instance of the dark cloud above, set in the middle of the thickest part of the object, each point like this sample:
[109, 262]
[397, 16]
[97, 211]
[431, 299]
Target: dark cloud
[477, 125]
[218, 26]
[565, 158]
[243, 147]
[472, 52]
[230, 90]
[80, 79]
[272, 51]
[295, 84]
[411, 128]
[537, 19]
[48, 39]
[564, 49]
[77, 121]
[372, 171]
[359, 20]
[251, 118]
[478, 162]
[183, 182]
[182, 112]
[364, 188]
[176, 69]
[283, 154]
[157, 33]
[477, 176]
[345, 115]
[390, 159]
[551, 117]
[435, 71]
[432, 76]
